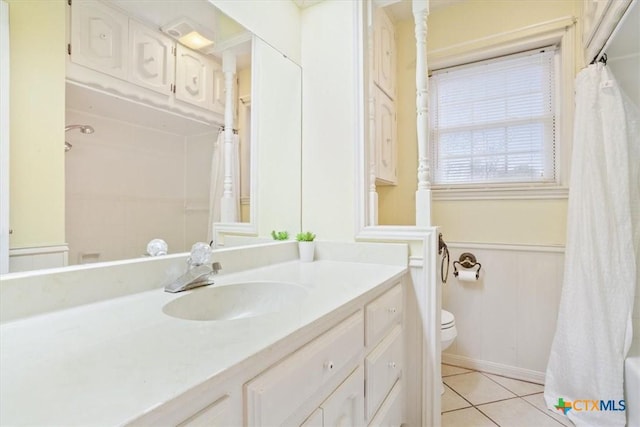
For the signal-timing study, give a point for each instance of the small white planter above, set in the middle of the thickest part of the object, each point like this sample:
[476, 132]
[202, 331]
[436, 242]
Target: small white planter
[307, 250]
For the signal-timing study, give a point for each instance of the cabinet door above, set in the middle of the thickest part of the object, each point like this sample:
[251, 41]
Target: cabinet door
[152, 60]
[99, 38]
[218, 93]
[385, 139]
[194, 77]
[345, 406]
[386, 69]
[273, 396]
[390, 413]
[314, 420]
[384, 367]
[217, 414]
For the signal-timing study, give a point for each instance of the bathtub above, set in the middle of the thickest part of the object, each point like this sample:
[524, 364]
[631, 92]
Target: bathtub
[632, 388]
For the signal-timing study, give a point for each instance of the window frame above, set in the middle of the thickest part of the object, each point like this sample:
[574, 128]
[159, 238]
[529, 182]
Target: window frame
[559, 32]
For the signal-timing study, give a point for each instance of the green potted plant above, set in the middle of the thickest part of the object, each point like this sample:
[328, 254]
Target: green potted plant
[306, 246]
[280, 235]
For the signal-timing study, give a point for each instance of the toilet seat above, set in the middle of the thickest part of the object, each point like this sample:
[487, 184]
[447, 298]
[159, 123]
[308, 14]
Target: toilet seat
[447, 320]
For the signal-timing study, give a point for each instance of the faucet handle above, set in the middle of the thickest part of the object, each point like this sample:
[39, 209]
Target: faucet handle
[215, 267]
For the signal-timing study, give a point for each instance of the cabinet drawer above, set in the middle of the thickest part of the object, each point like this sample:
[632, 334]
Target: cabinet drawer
[345, 406]
[382, 313]
[384, 366]
[390, 413]
[216, 414]
[278, 392]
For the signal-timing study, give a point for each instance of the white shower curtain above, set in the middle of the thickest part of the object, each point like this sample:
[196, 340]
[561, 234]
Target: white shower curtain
[593, 331]
[216, 188]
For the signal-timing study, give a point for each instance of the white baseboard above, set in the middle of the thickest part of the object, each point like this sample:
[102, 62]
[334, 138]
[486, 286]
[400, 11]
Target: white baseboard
[494, 368]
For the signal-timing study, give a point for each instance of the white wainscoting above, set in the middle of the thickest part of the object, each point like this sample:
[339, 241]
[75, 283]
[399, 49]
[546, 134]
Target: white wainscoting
[37, 258]
[505, 320]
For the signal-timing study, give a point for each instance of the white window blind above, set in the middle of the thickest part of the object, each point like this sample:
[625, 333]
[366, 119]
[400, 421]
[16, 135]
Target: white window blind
[494, 121]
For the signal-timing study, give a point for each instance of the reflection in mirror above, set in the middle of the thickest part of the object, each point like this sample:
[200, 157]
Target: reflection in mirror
[155, 165]
[164, 117]
[390, 122]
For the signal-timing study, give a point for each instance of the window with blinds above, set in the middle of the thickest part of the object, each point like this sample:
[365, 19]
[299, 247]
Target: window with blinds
[494, 121]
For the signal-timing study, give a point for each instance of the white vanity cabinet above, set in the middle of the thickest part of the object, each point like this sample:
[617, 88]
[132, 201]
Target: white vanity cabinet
[215, 415]
[344, 371]
[385, 359]
[274, 396]
[120, 55]
[384, 93]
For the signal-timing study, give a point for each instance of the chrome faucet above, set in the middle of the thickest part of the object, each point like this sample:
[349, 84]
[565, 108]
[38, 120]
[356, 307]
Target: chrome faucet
[200, 271]
[196, 276]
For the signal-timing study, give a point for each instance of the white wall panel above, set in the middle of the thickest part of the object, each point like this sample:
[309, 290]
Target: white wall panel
[506, 320]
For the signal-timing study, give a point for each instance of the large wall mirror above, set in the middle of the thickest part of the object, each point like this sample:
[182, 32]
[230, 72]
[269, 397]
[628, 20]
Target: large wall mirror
[151, 147]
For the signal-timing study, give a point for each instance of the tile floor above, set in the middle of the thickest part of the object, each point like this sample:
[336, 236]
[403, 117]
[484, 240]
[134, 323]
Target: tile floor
[473, 398]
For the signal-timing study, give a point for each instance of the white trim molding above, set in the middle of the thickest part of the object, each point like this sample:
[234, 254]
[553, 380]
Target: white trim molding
[494, 368]
[4, 137]
[500, 193]
[38, 257]
[507, 247]
[428, 295]
[560, 32]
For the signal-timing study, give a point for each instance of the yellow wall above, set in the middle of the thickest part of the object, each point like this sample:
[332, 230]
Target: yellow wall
[483, 221]
[37, 122]
[397, 204]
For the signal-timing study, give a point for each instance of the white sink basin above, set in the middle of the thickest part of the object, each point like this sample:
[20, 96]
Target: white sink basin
[235, 301]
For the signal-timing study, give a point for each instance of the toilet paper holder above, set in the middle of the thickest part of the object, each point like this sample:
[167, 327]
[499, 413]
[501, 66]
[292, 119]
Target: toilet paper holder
[467, 260]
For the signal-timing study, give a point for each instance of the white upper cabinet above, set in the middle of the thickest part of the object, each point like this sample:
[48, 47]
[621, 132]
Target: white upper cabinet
[217, 89]
[152, 58]
[137, 61]
[385, 53]
[99, 38]
[194, 77]
[385, 139]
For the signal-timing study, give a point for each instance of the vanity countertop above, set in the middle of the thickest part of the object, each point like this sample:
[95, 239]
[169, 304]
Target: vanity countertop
[111, 361]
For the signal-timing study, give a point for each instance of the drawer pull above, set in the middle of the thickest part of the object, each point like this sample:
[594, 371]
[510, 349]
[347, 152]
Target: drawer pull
[392, 365]
[329, 365]
[392, 310]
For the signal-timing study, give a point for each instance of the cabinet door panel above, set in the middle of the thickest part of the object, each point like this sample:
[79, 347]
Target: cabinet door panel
[215, 415]
[99, 38]
[217, 88]
[345, 407]
[193, 77]
[277, 393]
[385, 139]
[152, 60]
[390, 413]
[387, 54]
[382, 313]
[314, 420]
[384, 367]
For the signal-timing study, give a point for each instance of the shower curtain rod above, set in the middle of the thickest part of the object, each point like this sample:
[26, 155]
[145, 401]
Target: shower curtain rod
[601, 53]
[221, 129]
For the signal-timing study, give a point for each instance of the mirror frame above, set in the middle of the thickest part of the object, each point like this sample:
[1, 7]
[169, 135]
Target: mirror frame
[4, 137]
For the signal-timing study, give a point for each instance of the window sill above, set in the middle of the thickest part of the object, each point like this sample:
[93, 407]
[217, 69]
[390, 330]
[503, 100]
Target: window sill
[500, 193]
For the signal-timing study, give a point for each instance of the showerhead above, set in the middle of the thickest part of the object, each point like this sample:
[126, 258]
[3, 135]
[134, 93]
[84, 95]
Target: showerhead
[83, 128]
[86, 129]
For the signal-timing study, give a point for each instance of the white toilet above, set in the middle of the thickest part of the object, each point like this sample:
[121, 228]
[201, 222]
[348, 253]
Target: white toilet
[448, 333]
